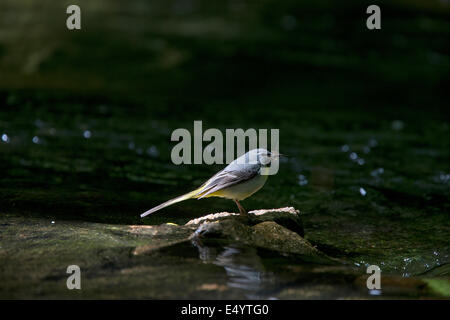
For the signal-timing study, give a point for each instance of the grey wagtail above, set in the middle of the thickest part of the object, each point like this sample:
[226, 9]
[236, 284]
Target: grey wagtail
[238, 181]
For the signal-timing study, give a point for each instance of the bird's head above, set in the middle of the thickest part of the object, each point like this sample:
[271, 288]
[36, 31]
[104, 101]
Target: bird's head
[262, 156]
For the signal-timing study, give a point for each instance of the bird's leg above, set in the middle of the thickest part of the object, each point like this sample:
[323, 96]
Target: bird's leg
[241, 208]
[245, 217]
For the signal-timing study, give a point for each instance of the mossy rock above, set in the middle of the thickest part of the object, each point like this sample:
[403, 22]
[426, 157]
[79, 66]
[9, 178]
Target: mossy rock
[280, 230]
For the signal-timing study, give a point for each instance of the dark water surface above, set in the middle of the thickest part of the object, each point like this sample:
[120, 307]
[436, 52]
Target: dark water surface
[86, 119]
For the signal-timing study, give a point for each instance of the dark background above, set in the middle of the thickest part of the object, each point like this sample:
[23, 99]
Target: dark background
[88, 114]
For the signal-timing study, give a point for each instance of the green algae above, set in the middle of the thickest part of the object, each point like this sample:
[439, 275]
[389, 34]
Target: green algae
[440, 286]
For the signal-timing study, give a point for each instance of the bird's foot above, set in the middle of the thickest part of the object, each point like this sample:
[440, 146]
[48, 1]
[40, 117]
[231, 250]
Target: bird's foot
[244, 216]
[248, 219]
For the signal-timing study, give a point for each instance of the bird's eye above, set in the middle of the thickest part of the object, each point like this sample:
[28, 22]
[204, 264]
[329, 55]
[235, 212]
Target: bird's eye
[264, 160]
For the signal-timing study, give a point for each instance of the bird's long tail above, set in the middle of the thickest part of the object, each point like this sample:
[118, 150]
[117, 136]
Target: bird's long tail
[170, 202]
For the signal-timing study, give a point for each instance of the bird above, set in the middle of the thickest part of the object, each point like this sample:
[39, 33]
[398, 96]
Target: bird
[239, 180]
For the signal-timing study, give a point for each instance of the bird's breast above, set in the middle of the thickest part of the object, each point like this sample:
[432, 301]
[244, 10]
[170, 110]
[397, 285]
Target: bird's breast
[242, 190]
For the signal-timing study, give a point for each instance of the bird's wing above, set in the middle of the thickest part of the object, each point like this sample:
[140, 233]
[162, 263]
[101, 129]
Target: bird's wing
[227, 178]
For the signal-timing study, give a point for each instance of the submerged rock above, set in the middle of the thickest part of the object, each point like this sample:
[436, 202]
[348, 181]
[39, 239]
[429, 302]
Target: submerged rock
[158, 236]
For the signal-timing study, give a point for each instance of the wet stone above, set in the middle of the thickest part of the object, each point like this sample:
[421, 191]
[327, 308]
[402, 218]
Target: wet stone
[287, 217]
[280, 230]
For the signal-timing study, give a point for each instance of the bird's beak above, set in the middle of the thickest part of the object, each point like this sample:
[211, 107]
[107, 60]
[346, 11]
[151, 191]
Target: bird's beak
[276, 154]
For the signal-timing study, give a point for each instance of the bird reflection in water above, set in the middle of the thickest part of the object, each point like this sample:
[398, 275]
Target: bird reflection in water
[242, 264]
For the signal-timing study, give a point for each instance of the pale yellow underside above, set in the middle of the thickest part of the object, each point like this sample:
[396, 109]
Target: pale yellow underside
[242, 190]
